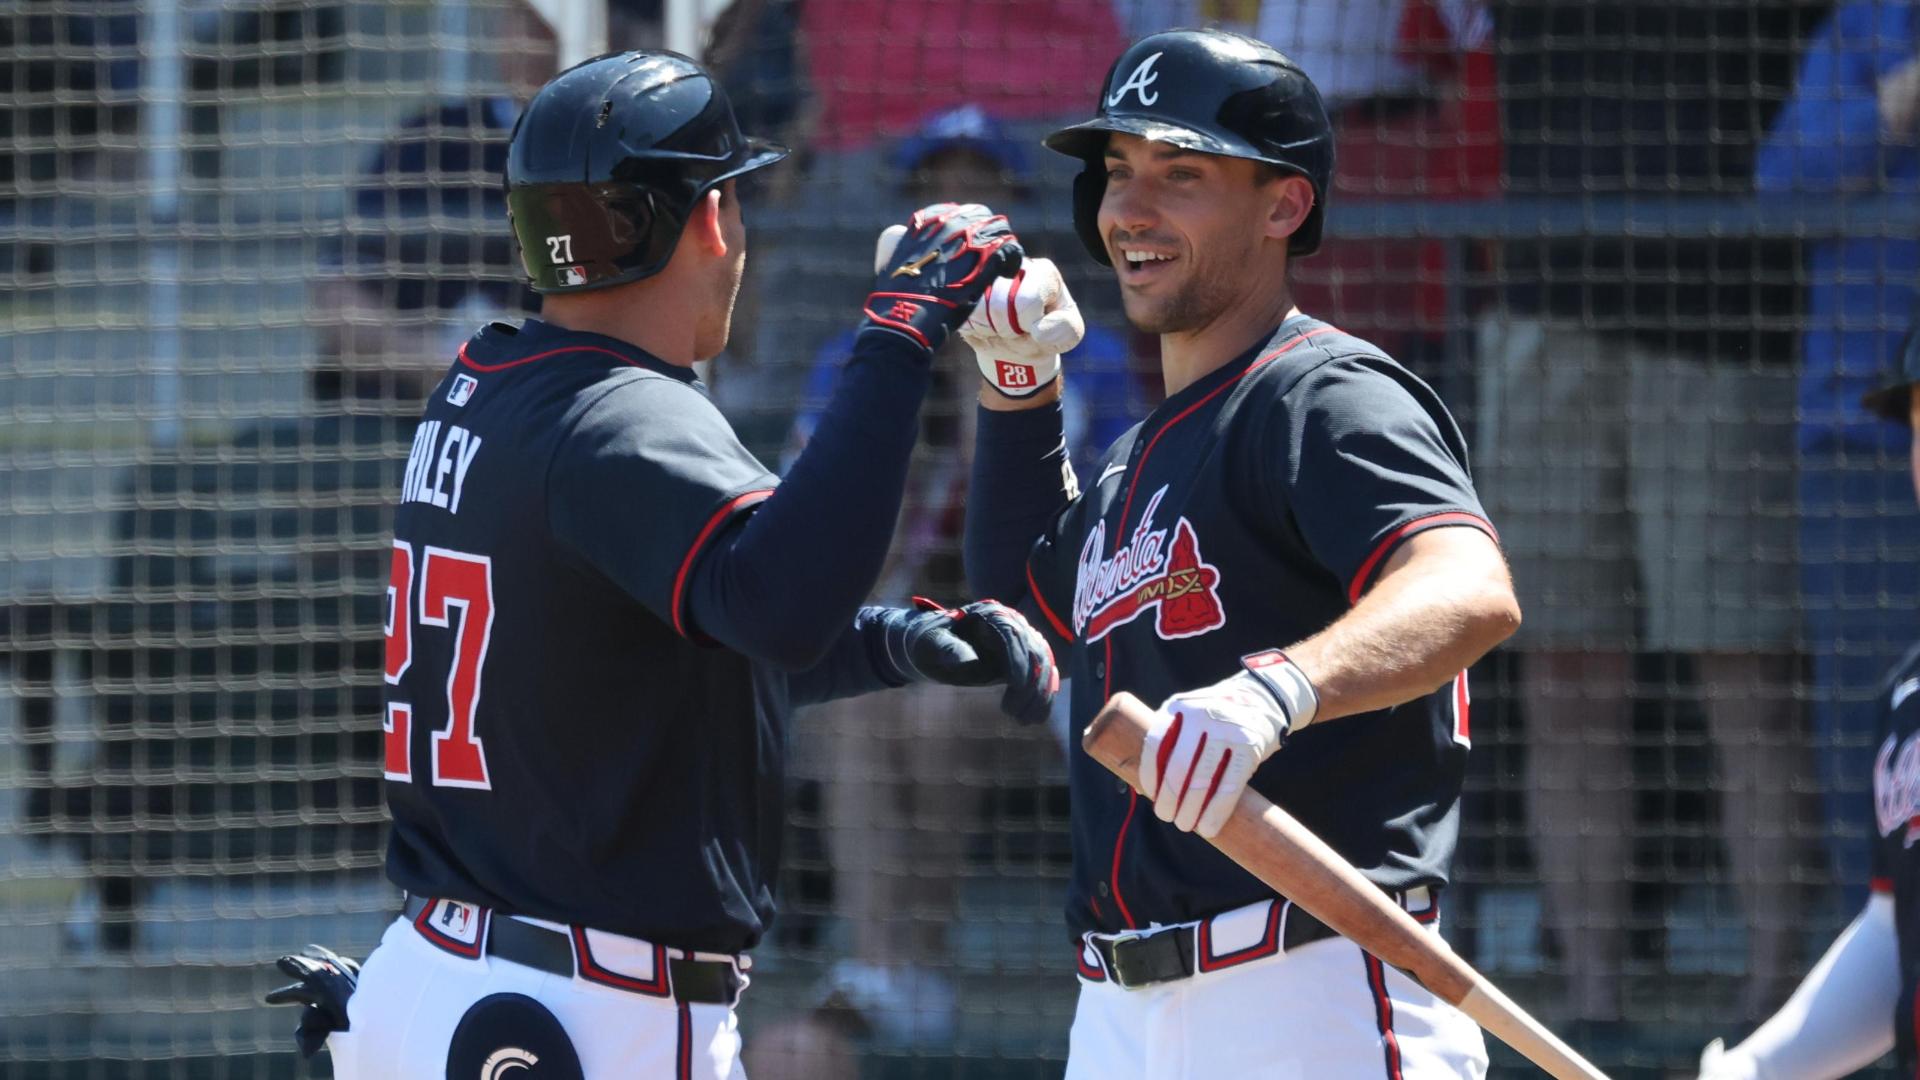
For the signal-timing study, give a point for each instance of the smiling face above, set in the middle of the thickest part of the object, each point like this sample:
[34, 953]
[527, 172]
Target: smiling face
[1190, 234]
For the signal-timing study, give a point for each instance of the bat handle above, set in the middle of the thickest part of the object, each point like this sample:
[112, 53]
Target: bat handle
[1268, 843]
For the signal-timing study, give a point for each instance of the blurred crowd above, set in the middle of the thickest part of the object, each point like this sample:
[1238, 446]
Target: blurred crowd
[1705, 526]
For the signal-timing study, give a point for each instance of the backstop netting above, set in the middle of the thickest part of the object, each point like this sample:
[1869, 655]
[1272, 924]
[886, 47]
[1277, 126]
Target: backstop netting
[1651, 256]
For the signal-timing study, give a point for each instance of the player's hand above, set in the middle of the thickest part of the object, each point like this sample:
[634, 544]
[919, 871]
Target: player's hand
[1719, 1063]
[1020, 328]
[981, 644]
[1205, 744]
[327, 980]
[930, 272]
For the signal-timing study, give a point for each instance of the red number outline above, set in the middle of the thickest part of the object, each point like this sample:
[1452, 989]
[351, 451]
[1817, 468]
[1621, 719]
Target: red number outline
[398, 726]
[454, 579]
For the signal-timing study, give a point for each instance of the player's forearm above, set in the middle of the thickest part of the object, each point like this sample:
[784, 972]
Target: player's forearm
[1427, 619]
[1841, 1018]
[857, 663]
[781, 587]
[1019, 486]
[994, 401]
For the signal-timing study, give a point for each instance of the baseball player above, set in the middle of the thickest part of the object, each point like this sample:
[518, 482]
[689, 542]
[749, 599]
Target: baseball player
[1287, 552]
[1863, 997]
[602, 609]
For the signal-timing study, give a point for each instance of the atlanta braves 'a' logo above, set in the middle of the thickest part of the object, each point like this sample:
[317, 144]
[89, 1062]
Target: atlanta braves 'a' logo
[1896, 787]
[1149, 574]
[1143, 77]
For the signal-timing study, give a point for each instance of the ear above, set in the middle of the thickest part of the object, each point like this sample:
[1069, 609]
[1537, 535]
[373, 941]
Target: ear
[704, 225]
[1291, 201]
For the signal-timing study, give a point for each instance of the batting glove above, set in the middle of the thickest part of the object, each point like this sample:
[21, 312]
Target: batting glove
[327, 980]
[931, 271]
[1719, 1063]
[1020, 328]
[1205, 744]
[981, 644]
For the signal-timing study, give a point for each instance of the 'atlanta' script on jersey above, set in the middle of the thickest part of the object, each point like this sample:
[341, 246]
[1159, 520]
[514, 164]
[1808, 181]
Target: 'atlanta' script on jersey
[1896, 786]
[1149, 573]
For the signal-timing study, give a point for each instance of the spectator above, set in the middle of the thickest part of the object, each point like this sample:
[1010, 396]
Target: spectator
[1850, 130]
[1410, 85]
[877, 67]
[240, 679]
[1633, 446]
[902, 789]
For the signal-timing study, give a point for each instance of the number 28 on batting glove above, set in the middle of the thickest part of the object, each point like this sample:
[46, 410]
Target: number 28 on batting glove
[1205, 744]
[930, 272]
[1020, 328]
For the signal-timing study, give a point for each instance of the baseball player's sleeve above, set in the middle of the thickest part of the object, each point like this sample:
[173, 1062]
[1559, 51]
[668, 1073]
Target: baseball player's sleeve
[1362, 456]
[648, 476]
[1017, 503]
[657, 493]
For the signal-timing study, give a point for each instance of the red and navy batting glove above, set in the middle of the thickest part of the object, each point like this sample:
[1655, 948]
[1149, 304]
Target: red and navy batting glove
[937, 269]
[327, 980]
[981, 644]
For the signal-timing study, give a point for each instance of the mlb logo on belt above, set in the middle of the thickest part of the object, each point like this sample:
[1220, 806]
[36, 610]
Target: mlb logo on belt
[462, 389]
[456, 920]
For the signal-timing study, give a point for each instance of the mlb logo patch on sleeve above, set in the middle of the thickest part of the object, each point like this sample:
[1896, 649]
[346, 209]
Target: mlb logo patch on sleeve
[462, 389]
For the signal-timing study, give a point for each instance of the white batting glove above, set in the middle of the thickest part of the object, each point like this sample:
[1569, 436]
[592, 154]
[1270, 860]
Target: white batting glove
[1205, 744]
[1719, 1063]
[1020, 328]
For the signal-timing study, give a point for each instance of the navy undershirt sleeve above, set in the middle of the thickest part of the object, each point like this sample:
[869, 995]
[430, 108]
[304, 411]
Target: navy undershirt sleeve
[781, 583]
[870, 655]
[1018, 491]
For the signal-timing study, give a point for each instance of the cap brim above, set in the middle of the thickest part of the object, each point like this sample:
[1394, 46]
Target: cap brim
[760, 154]
[1088, 140]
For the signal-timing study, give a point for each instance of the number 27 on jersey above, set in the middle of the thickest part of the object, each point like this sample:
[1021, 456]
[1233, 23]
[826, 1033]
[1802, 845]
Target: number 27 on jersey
[448, 581]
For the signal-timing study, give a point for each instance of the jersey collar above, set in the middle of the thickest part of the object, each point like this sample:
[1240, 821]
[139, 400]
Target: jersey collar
[501, 345]
[1234, 368]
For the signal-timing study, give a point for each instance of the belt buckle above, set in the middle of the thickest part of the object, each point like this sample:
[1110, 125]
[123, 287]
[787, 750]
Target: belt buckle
[1148, 958]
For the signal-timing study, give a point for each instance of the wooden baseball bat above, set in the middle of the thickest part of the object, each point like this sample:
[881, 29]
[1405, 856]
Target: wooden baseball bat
[1269, 844]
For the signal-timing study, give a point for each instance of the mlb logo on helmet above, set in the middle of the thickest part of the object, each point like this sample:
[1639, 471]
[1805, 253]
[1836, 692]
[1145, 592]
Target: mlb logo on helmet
[574, 275]
[462, 389]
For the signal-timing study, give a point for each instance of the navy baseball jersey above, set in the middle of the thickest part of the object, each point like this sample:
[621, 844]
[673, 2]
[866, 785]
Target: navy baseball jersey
[1248, 512]
[1896, 865]
[558, 742]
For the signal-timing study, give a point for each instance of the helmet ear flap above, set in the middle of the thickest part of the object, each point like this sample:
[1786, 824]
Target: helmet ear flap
[1088, 189]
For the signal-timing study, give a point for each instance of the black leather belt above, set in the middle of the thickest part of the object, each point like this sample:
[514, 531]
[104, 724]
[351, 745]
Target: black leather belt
[697, 982]
[1134, 962]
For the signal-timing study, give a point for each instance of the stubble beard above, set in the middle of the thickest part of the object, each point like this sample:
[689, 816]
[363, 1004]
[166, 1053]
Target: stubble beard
[1196, 303]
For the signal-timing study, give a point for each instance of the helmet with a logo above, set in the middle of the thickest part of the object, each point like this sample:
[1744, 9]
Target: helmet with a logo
[1214, 92]
[608, 161]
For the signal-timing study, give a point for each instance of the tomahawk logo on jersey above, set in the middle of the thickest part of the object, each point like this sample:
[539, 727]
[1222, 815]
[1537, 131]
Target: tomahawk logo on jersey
[1149, 574]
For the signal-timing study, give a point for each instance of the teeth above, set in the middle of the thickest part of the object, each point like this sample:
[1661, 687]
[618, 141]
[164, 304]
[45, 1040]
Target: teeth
[1145, 256]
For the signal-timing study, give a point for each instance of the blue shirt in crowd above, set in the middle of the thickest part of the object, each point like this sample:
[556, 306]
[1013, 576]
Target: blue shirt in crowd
[1828, 140]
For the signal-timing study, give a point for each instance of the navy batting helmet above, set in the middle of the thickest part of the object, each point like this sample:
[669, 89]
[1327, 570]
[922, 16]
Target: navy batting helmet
[1211, 91]
[608, 161]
